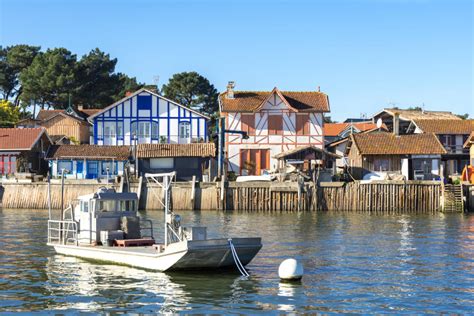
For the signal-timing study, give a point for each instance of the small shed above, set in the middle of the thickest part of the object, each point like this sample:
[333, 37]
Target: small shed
[187, 160]
[303, 157]
[88, 161]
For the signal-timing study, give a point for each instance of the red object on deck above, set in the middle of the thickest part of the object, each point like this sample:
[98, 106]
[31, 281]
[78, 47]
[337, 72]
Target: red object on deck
[134, 242]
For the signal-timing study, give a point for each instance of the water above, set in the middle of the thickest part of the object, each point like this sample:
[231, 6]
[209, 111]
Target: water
[354, 263]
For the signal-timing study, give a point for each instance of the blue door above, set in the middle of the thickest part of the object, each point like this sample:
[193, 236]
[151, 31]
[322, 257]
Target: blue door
[92, 169]
[79, 167]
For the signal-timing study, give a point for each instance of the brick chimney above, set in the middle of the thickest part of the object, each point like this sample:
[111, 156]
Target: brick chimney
[230, 90]
[128, 93]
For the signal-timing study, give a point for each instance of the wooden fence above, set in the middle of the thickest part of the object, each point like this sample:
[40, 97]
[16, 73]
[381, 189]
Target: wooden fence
[383, 196]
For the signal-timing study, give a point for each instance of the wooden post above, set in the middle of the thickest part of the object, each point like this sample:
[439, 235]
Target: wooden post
[193, 191]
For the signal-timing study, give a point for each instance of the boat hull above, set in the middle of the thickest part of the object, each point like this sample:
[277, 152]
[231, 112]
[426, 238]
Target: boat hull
[200, 254]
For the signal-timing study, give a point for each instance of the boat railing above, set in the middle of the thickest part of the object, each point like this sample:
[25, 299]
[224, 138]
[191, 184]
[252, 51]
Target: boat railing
[63, 232]
[147, 226]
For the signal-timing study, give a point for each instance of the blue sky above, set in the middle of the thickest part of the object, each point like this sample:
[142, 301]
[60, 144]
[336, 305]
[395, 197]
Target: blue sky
[365, 54]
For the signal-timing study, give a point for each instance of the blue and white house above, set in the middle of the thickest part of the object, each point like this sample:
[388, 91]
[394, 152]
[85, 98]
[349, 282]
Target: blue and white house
[145, 117]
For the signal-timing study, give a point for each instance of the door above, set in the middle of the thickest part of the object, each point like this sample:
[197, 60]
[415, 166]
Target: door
[92, 169]
[110, 137]
[144, 133]
[79, 168]
[184, 133]
[254, 161]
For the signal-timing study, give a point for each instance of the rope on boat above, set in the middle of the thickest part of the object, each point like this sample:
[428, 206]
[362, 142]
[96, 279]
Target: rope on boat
[239, 264]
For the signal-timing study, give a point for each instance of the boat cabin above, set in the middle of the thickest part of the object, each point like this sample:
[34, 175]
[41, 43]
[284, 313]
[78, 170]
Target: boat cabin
[106, 216]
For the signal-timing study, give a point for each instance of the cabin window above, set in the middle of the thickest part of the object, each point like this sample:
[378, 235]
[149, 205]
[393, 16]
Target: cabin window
[161, 163]
[381, 164]
[247, 122]
[107, 206]
[275, 125]
[85, 206]
[127, 205]
[302, 124]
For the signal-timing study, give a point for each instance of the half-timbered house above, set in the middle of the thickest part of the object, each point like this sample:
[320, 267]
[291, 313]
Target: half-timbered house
[276, 121]
[145, 117]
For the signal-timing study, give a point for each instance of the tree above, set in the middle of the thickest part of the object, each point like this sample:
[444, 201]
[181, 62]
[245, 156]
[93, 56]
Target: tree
[13, 60]
[50, 79]
[463, 116]
[125, 84]
[96, 82]
[9, 113]
[192, 90]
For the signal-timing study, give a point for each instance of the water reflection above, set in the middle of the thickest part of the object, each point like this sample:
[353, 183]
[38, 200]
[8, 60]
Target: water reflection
[353, 262]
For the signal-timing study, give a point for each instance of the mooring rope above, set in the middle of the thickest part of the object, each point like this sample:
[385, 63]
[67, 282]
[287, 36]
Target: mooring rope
[239, 264]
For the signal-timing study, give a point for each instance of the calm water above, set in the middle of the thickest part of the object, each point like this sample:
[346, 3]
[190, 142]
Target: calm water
[357, 263]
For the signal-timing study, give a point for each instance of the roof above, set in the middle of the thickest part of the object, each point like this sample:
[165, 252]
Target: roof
[176, 150]
[469, 140]
[138, 92]
[382, 143]
[460, 127]
[334, 129]
[303, 148]
[420, 115]
[19, 138]
[88, 151]
[44, 115]
[250, 101]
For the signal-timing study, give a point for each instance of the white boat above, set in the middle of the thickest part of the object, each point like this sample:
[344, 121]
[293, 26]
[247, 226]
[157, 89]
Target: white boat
[265, 177]
[106, 226]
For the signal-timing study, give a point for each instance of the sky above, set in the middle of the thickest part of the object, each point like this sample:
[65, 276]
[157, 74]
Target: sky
[364, 54]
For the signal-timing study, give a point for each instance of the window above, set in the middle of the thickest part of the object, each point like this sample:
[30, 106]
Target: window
[155, 131]
[161, 163]
[381, 164]
[302, 124]
[85, 206]
[120, 130]
[126, 205]
[111, 165]
[144, 102]
[247, 122]
[275, 125]
[107, 206]
[184, 132]
[62, 164]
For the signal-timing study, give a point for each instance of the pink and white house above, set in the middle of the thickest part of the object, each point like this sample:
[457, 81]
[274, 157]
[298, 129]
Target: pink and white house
[276, 121]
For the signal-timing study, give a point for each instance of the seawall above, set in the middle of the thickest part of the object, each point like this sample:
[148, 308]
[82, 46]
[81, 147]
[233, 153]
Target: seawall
[382, 196]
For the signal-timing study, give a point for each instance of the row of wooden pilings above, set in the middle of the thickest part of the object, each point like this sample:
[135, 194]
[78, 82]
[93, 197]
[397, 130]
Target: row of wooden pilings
[381, 196]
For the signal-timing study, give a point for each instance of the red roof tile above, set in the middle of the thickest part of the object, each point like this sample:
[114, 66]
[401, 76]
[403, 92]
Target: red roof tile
[176, 150]
[382, 143]
[89, 151]
[249, 101]
[19, 138]
[459, 127]
[334, 129]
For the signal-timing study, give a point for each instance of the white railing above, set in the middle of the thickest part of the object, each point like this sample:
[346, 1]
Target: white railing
[62, 232]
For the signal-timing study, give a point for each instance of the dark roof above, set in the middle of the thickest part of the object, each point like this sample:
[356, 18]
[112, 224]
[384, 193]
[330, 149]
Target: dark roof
[176, 150]
[249, 101]
[304, 148]
[382, 143]
[95, 152]
[460, 127]
[19, 138]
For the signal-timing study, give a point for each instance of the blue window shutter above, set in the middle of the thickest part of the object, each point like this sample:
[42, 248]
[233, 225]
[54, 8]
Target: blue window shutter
[144, 102]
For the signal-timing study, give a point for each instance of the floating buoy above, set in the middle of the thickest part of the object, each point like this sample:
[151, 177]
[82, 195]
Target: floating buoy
[290, 270]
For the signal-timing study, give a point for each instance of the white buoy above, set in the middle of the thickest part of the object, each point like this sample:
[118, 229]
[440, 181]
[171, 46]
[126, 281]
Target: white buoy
[290, 270]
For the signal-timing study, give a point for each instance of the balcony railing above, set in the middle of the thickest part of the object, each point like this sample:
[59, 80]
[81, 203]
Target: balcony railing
[456, 149]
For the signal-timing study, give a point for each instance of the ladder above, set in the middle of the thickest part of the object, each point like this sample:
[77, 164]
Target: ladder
[453, 198]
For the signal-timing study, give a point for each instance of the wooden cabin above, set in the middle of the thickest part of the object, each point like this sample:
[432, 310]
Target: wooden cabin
[416, 156]
[187, 160]
[22, 150]
[275, 121]
[145, 117]
[68, 124]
